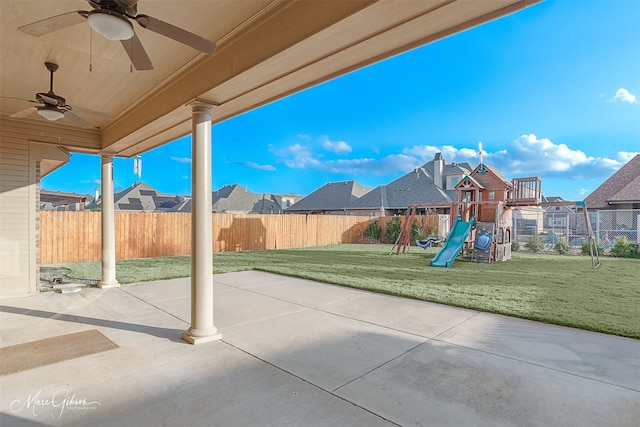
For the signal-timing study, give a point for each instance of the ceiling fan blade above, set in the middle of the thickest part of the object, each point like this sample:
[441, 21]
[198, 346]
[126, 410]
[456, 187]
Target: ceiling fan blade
[176, 33]
[21, 99]
[24, 112]
[54, 23]
[137, 54]
[83, 110]
[77, 120]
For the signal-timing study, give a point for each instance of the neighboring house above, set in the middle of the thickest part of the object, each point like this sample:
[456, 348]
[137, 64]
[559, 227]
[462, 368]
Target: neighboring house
[433, 183]
[59, 201]
[620, 191]
[140, 197]
[559, 217]
[286, 200]
[331, 198]
[235, 199]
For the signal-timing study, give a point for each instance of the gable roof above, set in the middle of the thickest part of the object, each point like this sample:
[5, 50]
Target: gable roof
[449, 168]
[484, 178]
[142, 197]
[333, 196]
[236, 198]
[628, 194]
[622, 187]
[469, 182]
[557, 199]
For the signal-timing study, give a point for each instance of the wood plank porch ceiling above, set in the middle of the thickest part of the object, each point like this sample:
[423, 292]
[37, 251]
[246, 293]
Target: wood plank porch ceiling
[266, 50]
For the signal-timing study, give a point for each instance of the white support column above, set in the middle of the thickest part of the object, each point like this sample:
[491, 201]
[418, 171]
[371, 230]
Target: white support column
[108, 226]
[202, 328]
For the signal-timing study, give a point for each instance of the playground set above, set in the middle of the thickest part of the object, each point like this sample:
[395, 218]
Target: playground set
[481, 218]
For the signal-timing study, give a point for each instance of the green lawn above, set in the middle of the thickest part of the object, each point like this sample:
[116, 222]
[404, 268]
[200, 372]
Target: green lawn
[557, 289]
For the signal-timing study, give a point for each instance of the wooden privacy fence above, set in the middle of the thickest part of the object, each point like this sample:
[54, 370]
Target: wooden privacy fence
[67, 236]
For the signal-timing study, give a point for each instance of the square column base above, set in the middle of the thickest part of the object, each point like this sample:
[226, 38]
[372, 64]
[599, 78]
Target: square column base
[199, 340]
[108, 285]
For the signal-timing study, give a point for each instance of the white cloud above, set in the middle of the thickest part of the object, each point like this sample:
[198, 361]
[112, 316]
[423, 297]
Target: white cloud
[625, 156]
[625, 96]
[383, 166]
[297, 156]
[526, 155]
[90, 181]
[253, 165]
[339, 147]
[181, 159]
[450, 153]
[529, 155]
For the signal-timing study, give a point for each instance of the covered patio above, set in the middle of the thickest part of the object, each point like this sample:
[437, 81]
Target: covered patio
[303, 353]
[149, 89]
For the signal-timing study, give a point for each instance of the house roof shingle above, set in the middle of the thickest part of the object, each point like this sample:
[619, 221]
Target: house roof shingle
[622, 187]
[414, 187]
[237, 199]
[333, 196]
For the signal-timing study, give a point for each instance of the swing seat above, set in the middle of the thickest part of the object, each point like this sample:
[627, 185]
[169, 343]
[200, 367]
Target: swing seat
[428, 242]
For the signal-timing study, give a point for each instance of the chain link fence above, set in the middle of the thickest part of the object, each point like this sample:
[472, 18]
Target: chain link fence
[609, 226]
[564, 224]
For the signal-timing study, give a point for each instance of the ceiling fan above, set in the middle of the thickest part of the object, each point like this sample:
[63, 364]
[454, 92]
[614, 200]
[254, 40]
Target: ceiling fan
[54, 107]
[112, 19]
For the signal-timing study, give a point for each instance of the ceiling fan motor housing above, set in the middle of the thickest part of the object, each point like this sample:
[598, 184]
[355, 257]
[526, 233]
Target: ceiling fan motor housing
[51, 99]
[124, 7]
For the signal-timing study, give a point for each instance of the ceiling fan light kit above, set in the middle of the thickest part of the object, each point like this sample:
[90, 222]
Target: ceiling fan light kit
[110, 24]
[50, 114]
[54, 107]
[113, 20]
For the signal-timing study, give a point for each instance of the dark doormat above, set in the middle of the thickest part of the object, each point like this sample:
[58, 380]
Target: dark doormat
[22, 357]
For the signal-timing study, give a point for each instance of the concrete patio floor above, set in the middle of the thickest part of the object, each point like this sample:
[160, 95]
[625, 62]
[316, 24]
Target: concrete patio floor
[301, 353]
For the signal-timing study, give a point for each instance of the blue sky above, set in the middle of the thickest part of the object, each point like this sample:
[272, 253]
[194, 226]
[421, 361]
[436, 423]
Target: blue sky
[552, 91]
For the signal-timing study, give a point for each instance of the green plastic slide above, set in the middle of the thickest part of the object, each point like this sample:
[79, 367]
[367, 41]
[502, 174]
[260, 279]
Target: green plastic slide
[454, 243]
